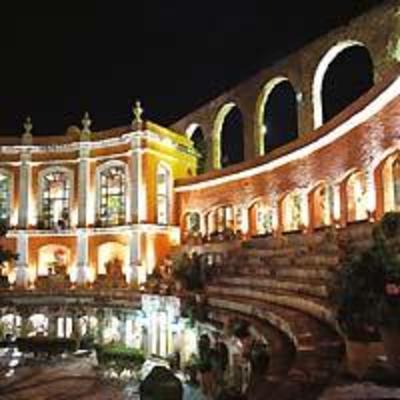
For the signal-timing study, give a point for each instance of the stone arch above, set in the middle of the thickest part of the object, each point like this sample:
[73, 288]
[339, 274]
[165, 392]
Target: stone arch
[229, 120]
[356, 196]
[331, 56]
[320, 202]
[276, 115]
[196, 134]
[387, 177]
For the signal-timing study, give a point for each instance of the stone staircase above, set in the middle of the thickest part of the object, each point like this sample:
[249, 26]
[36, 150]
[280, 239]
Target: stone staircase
[285, 281]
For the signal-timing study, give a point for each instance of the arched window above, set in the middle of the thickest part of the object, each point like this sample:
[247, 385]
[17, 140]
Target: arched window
[292, 212]
[343, 75]
[55, 199]
[396, 183]
[5, 196]
[163, 194]
[277, 114]
[321, 203]
[228, 137]
[112, 189]
[193, 222]
[356, 197]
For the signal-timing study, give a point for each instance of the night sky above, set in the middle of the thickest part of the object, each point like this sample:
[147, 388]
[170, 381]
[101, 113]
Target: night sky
[58, 62]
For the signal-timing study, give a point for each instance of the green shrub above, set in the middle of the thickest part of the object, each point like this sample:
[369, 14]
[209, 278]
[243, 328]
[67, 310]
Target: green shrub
[46, 345]
[119, 357]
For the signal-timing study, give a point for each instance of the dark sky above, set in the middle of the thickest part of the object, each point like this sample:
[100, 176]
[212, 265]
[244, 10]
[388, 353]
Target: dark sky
[55, 63]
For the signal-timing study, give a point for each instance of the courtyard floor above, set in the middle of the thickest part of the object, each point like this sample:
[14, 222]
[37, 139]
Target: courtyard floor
[68, 380]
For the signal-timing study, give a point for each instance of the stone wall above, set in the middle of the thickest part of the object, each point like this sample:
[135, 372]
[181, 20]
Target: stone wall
[378, 30]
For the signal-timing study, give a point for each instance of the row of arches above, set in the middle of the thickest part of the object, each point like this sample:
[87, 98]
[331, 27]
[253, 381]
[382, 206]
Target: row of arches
[355, 197]
[344, 73]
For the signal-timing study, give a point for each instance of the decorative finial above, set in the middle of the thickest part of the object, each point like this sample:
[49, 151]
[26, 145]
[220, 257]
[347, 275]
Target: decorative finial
[86, 122]
[27, 137]
[137, 112]
[28, 126]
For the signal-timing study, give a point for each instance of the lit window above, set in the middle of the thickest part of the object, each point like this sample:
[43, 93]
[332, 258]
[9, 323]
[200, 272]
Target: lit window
[5, 189]
[396, 183]
[56, 192]
[112, 196]
[163, 184]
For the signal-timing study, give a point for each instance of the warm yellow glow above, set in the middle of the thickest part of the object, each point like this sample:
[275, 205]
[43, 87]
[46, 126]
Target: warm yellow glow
[150, 253]
[111, 251]
[375, 106]
[175, 236]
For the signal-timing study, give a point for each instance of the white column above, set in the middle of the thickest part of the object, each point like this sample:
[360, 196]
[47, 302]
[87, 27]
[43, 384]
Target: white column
[24, 189]
[138, 185]
[134, 258]
[22, 276]
[83, 257]
[83, 187]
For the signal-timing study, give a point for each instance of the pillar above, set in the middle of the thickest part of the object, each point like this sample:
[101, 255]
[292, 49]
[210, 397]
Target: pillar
[134, 258]
[21, 273]
[83, 186]
[122, 327]
[24, 189]
[138, 184]
[83, 257]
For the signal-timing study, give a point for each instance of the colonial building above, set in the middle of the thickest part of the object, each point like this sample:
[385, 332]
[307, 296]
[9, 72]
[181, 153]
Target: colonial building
[310, 142]
[89, 204]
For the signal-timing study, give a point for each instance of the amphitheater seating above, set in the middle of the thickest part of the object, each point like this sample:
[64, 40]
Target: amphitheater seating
[285, 281]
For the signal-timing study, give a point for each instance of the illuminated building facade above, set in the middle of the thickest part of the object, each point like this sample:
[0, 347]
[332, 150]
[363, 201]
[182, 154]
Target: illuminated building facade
[88, 205]
[99, 203]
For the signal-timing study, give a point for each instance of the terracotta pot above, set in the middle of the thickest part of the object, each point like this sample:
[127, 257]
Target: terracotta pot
[391, 343]
[361, 355]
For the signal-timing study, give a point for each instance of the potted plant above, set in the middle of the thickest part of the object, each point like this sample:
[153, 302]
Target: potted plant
[356, 293]
[386, 244]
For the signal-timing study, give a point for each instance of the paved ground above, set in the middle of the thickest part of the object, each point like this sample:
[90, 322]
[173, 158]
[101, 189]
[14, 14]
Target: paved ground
[361, 391]
[68, 381]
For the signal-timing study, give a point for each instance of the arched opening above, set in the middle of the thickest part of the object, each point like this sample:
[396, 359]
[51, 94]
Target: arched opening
[356, 192]
[260, 219]
[228, 137]
[196, 135]
[344, 74]
[321, 200]
[112, 262]
[53, 259]
[163, 181]
[292, 212]
[391, 183]
[278, 123]
[111, 194]
[56, 188]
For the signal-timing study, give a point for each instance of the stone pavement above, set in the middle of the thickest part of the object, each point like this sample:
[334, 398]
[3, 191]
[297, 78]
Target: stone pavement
[63, 381]
[361, 391]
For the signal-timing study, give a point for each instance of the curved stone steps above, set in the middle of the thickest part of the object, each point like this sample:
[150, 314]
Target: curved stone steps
[312, 287]
[312, 306]
[318, 348]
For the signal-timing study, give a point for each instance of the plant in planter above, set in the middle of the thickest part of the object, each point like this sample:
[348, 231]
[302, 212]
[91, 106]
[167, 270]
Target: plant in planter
[356, 293]
[386, 243]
